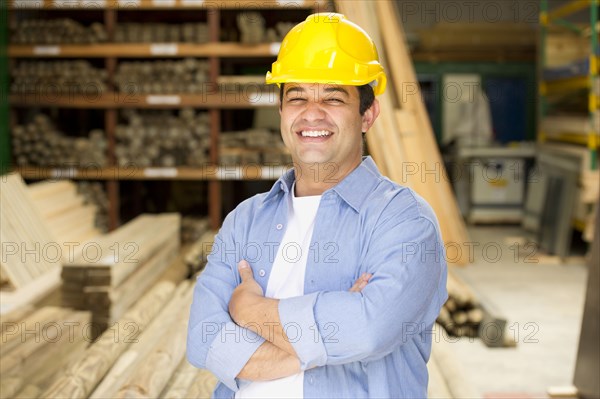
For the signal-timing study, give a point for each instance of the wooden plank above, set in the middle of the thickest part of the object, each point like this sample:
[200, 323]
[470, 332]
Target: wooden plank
[151, 377]
[85, 373]
[30, 293]
[130, 360]
[203, 386]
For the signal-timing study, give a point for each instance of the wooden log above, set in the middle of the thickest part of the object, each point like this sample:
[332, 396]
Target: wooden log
[203, 386]
[454, 375]
[83, 376]
[130, 360]
[181, 381]
[151, 377]
[34, 357]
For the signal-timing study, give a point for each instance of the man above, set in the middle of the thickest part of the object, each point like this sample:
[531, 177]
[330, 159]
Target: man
[329, 284]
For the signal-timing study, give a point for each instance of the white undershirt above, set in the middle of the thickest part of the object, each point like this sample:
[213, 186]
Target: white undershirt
[287, 280]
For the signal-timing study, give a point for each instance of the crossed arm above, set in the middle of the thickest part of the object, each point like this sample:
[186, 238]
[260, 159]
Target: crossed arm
[248, 307]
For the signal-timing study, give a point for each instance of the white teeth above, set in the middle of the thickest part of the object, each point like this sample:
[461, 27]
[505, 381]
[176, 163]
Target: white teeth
[315, 133]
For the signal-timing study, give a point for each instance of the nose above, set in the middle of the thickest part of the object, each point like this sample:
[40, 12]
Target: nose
[313, 112]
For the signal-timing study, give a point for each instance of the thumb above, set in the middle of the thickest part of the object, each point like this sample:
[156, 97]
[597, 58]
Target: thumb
[245, 270]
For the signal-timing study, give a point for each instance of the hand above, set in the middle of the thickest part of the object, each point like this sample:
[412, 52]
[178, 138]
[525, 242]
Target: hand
[245, 295]
[361, 282]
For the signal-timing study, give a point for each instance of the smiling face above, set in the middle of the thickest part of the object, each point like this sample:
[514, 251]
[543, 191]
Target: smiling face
[321, 124]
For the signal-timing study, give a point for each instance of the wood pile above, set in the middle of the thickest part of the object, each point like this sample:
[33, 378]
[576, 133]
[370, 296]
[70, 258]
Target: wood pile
[93, 193]
[35, 349]
[461, 315]
[195, 258]
[471, 36]
[68, 217]
[66, 77]
[252, 29]
[29, 248]
[40, 143]
[165, 77]
[253, 146]
[56, 31]
[159, 138]
[402, 141]
[116, 269]
[50, 353]
[193, 228]
[153, 32]
[563, 47]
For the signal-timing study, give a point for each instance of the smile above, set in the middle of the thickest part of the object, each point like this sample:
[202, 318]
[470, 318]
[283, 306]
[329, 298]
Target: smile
[315, 133]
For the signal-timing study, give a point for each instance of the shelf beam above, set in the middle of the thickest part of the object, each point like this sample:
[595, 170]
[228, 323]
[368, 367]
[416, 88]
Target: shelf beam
[124, 5]
[567, 9]
[203, 173]
[145, 50]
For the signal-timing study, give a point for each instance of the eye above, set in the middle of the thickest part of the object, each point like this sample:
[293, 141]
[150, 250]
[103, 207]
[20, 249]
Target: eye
[334, 100]
[295, 99]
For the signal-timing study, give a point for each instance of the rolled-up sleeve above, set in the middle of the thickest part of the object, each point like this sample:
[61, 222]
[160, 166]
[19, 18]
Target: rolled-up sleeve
[402, 299]
[214, 341]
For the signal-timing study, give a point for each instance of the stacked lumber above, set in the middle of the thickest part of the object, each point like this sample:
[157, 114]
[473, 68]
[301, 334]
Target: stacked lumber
[29, 248]
[193, 228]
[461, 315]
[154, 32]
[67, 77]
[563, 47]
[116, 269]
[159, 138]
[40, 143]
[146, 368]
[68, 217]
[93, 193]
[35, 349]
[56, 31]
[195, 258]
[252, 146]
[402, 141]
[189, 75]
[252, 29]
[447, 378]
[483, 36]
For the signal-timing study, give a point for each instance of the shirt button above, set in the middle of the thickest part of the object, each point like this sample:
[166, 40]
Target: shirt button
[262, 272]
[311, 380]
[279, 226]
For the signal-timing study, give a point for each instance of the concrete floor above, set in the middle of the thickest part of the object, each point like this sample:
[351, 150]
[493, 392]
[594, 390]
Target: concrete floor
[543, 304]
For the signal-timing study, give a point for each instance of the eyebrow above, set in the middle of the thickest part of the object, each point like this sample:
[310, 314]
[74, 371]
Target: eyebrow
[334, 89]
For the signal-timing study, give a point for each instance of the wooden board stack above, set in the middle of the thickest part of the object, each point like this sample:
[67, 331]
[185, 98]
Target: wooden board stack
[116, 269]
[461, 315]
[150, 362]
[35, 349]
[63, 209]
[195, 258]
[402, 141]
[31, 256]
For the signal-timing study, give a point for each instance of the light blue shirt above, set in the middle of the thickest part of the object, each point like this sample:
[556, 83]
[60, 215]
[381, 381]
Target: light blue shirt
[373, 343]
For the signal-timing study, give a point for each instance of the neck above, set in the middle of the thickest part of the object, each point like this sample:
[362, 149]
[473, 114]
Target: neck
[316, 178]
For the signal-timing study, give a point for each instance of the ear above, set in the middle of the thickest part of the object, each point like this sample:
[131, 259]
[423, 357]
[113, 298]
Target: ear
[370, 116]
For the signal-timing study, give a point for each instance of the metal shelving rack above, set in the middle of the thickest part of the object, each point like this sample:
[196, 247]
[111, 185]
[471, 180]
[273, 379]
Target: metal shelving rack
[590, 82]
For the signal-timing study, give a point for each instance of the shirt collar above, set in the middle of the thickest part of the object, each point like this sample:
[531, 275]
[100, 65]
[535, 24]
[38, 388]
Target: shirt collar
[353, 189]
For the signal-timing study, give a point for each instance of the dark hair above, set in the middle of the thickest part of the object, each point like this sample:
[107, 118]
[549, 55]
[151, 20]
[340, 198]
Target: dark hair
[365, 95]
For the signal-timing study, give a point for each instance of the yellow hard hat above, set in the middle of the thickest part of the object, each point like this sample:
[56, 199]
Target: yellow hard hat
[327, 48]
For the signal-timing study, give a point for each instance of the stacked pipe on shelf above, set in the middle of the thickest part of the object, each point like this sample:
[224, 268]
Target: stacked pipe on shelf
[253, 146]
[57, 31]
[253, 29]
[133, 32]
[162, 139]
[40, 143]
[63, 77]
[166, 77]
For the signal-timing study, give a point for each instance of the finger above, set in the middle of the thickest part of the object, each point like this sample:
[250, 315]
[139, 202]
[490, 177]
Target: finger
[359, 281]
[245, 270]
